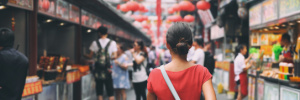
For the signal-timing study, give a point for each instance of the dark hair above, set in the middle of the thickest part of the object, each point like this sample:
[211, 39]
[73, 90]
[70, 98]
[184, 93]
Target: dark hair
[122, 47]
[199, 41]
[7, 37]
[239, 48]
[180, 38]
[286, 36]
[143, 47]
[102, 30]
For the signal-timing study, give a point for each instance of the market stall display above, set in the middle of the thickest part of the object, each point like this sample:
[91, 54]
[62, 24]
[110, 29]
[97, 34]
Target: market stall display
[274, 73]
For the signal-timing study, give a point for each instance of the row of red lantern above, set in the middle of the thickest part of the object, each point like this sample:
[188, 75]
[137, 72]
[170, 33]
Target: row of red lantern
[140, 18]
[188, 6]
[132, 6]
[177, 18]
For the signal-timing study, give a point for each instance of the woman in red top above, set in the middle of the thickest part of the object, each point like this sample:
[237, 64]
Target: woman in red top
[188, 79]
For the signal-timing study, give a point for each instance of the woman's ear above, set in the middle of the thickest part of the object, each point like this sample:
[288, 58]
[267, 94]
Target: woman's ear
[168, 46]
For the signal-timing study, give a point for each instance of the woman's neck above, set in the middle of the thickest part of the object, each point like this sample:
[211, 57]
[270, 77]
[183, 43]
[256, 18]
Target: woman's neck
[137, 51]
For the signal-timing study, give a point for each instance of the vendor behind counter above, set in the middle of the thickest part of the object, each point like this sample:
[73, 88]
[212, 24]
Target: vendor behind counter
[288, 49]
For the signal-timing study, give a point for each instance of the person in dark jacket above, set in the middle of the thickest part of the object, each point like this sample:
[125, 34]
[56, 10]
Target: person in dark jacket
[13, 67]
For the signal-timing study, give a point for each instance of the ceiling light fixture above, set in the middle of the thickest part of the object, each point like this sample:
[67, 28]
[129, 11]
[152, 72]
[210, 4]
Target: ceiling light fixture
[62, 24]
[276, 27]
[283, 25]
[48, 20]
[291, 23]
[298, 21]
[2, 7]
[271, 28]
[266, 29]
[89, 30]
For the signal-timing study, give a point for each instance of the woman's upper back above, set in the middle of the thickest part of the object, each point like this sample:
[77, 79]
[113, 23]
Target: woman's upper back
[188, 83]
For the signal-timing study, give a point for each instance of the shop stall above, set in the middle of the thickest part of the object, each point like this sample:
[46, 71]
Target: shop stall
[52, 34]
[271, 77]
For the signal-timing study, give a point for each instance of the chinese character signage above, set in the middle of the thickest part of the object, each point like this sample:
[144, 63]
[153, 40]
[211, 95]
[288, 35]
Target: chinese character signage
[74, 13]
[270, 10]
[62, 9]
[288, 7]
[32, 88]
[255, 15]
[73, 77]
[47, 7]
[25, 4]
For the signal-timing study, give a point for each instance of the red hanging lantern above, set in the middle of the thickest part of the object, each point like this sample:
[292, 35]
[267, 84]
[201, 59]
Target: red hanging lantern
[139, 18]
[203, 5]
[124, 8]
[118, 6]
[133, 6]
[146, 10]
[176, 7]
[189, 18]
[185, 5]
[192, 8]
[141, 8]
[171, 10]
[177, 18]
[46, 5]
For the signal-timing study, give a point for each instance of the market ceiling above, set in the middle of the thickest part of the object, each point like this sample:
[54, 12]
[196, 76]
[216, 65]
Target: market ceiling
[106, 11]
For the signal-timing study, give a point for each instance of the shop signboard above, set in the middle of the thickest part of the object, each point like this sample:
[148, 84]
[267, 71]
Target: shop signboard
[97, 23]
[255, 40]
[73, 76]
[74, 13]
[271, 91]
[24, 4]
[288, 7]
[92, 21]
[85, 18]
[287, 93]
[32, 88]
[264, 39]
[216, 32]
[260, 89]
[270, 10]
[255, 15]
[205, 16]
[62, 9]
[47, 7]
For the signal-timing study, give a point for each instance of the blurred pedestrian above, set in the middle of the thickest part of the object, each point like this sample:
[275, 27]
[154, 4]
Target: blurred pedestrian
[105, 51]
[209, 61]
[198, 56]
[120, 73]
[152, 58]
[180, 79]
[139, 75]
[13, 67]
[240, 71]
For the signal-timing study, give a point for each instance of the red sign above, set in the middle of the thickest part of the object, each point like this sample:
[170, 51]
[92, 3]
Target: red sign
[73, 77]
[32, 88]
[205, 16]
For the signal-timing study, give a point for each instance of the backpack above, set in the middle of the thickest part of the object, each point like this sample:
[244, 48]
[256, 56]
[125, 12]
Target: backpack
[102, 63]
[209, 62]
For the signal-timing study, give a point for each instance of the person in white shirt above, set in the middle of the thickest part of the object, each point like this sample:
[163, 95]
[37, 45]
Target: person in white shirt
[104, 42]
[240, 70]
[190, 53]
[198, 56]
[139, 75]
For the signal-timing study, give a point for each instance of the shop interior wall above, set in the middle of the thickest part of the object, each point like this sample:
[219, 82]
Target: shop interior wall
[56, 40]
[20, 31]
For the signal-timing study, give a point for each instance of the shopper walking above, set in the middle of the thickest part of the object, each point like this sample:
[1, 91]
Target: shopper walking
[13, 67]
[240, 71]
[188, 79]
[105, 51]
[139, 77]
[199, 55]
[120, 73]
